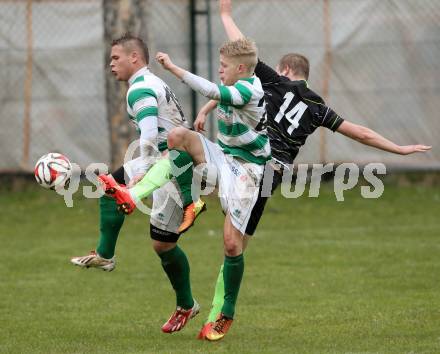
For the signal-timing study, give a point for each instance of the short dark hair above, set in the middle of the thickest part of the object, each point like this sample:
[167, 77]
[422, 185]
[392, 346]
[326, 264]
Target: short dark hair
[130, 42]
[298, 63]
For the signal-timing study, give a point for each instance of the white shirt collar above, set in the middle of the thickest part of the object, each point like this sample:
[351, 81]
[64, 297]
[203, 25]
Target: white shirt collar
[142, 71]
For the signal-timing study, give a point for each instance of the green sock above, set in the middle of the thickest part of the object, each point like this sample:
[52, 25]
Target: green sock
[217, 301]
[110, 223]
[232, 275]
[176, 265]
[156, 177]
[181, 167]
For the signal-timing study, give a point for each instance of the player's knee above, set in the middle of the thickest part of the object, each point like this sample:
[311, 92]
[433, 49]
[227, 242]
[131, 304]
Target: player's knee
[161, 247]
[176, 137]
[233, 247]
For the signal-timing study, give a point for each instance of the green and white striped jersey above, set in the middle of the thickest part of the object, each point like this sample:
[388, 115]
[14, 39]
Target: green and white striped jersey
[242, 121]
[149, 96]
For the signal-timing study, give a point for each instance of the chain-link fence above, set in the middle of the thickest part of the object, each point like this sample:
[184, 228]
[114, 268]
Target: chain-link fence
[374, 61]
[52, 82]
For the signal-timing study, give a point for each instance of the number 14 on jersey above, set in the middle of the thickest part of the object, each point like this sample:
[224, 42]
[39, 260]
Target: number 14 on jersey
[294, 115]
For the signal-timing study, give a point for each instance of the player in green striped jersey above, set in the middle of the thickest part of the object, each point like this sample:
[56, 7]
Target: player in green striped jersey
[239, 157]
[154, 109]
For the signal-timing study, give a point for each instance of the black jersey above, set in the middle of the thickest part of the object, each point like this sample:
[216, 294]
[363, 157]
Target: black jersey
[293, 113]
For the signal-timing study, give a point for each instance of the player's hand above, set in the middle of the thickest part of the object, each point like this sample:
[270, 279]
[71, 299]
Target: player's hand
[410, 149]
[199, 123]
[135, 180]
[225, 7]
[164, 60]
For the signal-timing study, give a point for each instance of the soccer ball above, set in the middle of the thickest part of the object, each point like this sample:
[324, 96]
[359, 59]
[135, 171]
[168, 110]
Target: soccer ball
[53, 170]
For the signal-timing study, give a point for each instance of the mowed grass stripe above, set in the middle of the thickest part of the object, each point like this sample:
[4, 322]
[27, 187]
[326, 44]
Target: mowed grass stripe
[320, 277]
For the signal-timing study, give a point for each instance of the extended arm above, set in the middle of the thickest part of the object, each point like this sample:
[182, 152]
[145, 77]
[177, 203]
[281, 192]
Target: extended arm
[232, 31]
[236, 95]
[197, 83]
[265, 73]
[369, 137]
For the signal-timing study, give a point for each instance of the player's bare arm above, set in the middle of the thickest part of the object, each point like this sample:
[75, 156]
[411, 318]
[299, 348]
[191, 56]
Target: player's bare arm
[199, 123]
[232, 31]
[369, 137]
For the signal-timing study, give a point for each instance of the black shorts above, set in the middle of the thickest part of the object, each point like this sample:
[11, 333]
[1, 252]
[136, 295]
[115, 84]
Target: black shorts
[257, 210]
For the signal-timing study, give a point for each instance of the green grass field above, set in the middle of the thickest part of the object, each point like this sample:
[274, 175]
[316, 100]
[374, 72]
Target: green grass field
[361, 276]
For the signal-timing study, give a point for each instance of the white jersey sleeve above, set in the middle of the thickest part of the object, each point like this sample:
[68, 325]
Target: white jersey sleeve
[142, 102]
[237, 95]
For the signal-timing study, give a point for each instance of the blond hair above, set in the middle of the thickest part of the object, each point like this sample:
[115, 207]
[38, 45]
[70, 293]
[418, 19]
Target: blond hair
[244, 50]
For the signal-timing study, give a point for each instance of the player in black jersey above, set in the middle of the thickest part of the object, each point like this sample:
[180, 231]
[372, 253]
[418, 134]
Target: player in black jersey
[293, 110]
[293, 113]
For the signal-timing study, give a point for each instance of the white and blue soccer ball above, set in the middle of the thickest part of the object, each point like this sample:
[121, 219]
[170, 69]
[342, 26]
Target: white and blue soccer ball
[53, 171]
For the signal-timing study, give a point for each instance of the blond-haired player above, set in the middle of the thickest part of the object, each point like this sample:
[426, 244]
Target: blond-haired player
[239, 157]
